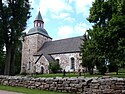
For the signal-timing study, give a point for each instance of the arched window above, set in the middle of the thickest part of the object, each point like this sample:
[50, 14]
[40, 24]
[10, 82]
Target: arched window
[57, 60]
[72, 63]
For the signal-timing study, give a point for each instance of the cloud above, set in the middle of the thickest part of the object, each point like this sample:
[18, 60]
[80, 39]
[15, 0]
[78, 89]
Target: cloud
[54, 6]
[82, 5]
[61, 15]
[69, 19]
[65, 31]
[81, 28]
[70, 14]
[64, 17]
[71, 31]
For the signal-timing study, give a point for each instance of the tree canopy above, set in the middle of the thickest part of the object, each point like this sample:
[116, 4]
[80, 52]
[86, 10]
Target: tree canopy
[107, 35]
[13, 17]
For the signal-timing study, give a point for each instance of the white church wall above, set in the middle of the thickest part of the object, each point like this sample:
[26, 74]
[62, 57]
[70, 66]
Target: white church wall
[42, 62]
[65, 61]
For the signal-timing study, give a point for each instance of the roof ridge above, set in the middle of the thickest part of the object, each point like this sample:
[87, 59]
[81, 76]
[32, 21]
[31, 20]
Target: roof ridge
[68, 38]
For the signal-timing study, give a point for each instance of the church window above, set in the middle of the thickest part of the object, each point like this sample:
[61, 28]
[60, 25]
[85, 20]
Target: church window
[72, 63]
[57, 60]
[29, 67]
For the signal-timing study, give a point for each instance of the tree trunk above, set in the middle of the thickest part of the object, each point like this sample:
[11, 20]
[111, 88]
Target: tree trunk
[116, 70]
[8, 60]
[12, 67]
[90, 71]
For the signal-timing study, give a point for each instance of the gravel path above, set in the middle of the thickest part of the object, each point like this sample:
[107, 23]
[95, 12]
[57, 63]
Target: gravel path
[8, 92]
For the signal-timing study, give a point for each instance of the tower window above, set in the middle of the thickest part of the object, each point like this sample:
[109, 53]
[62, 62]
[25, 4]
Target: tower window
[39, 25]
[72, 63]
[35, 24]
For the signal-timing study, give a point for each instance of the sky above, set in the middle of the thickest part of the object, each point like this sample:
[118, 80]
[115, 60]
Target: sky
[62, 18]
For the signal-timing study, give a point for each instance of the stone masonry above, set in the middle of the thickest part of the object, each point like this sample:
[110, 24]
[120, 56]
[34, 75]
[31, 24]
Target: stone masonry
[65, 61]
[71, 85]
[31, 45]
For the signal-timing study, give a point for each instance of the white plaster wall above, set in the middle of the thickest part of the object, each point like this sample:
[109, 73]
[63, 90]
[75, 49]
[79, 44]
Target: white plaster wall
[65, 61]
[42, 62]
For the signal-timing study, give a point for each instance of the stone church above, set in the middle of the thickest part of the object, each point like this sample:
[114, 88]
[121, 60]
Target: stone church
[38, 50]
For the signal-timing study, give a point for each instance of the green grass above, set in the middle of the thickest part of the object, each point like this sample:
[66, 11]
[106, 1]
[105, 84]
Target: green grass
[27, 91]
[67, 75]
[113, 74]
[120, 74]
[56, 75]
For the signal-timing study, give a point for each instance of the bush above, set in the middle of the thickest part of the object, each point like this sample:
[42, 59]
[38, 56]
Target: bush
[54, 67]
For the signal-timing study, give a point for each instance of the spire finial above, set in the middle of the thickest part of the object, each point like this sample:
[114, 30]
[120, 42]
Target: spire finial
[39, 8]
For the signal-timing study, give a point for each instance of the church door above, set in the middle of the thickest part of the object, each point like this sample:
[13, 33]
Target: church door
[42, 70]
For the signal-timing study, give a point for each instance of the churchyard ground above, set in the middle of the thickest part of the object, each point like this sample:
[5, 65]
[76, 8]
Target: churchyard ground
[111, 74]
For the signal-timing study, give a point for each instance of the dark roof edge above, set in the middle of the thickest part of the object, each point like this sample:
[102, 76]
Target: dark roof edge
[38, 20]
[64, 52]
[57, 53]
[38, 33]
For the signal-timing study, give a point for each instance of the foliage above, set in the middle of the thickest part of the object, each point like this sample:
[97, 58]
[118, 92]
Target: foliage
[88, 57]
[107, 34]
[54, 67]
[13, 17]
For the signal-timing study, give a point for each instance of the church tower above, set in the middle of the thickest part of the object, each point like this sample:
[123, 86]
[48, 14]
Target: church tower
[33, 41]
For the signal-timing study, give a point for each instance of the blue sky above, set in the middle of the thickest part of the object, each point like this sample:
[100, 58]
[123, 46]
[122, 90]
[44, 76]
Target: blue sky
[62, 18]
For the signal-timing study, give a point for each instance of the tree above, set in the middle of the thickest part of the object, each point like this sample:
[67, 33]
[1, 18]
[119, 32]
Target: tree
[88, 57]
[2, 56]
[108, 17]
[13, 17]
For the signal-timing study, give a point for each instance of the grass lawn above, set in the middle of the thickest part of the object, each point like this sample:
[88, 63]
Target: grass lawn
[67, 75]
[56, 75]
[113, 74]
[27, 91]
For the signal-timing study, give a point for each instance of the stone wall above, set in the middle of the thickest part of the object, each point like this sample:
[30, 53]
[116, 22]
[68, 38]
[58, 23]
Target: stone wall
[65, 61]
[30, 45]
[72, 85]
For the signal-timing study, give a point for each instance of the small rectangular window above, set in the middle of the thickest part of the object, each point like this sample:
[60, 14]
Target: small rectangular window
[72, 63]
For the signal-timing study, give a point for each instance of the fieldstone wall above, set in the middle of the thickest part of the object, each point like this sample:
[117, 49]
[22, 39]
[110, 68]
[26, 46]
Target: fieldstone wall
[73, 85]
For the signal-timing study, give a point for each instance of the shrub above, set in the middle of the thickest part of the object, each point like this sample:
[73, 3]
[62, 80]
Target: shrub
[54, 67]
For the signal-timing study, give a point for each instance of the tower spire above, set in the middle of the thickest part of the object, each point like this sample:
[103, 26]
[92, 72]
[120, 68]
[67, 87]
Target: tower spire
[38, 22]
